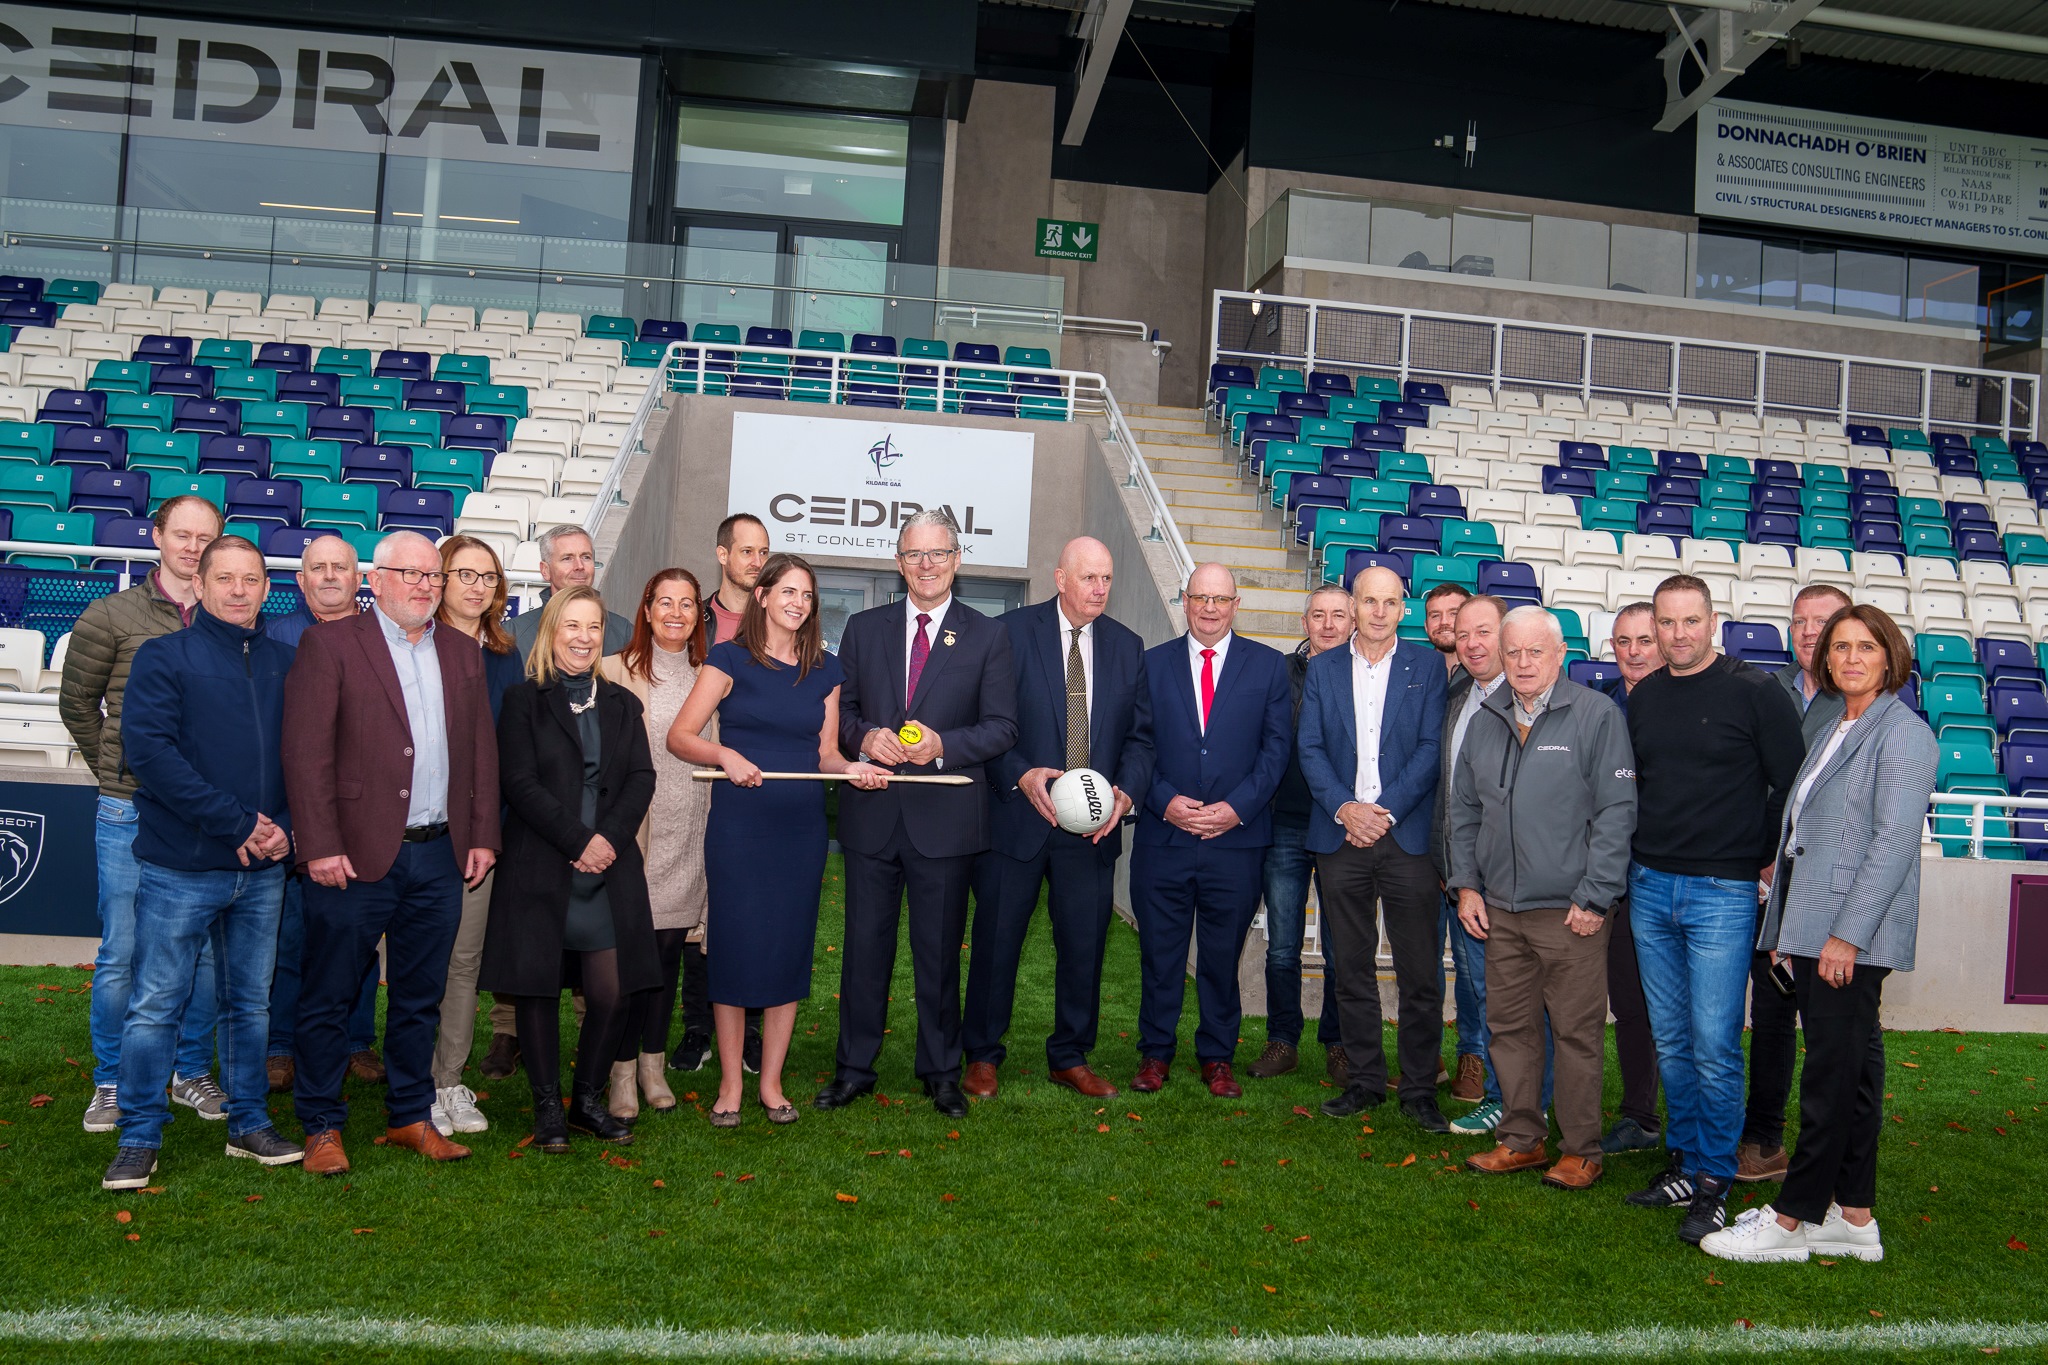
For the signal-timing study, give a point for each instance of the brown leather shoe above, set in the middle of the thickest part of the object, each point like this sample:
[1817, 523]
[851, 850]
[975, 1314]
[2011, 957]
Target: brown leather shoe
[1277, 1060]
[425, 1139]
[1216, 1075]
[1151, 1077]
[1469, 1087]
[1573, 1173]
[1505, 1160]
[283, 1074]
[1336, 1065]
[503, 1057]
[366, 1066]
[1753, 1163]
[980, 1080]
[1081, 1079]
[324, 1155]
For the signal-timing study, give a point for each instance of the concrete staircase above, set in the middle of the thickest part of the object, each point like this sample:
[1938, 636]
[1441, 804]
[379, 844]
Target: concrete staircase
[1223, 517]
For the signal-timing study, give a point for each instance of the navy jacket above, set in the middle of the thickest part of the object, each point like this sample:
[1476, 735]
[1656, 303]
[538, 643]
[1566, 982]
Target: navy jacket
[289, 628]
[1411, 738]
[1119, 724]
[203, 727]
[1242, 756]
[967, 692]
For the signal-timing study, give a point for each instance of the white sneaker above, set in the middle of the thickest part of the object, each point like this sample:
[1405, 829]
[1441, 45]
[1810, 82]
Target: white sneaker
[458, 1104]
[438, 1116]
[1837, 1236]
[1757, 1236]
[103, 1115]
[201, 1094]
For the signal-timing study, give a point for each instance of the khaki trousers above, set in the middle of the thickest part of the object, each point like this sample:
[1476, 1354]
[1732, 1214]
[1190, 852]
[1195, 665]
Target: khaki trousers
[1533, 964]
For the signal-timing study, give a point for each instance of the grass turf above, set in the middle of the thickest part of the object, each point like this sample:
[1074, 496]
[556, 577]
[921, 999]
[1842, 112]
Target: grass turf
[1039, 1215]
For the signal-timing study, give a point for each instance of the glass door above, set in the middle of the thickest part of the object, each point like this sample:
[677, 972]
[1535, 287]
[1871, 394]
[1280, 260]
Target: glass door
[831, 276]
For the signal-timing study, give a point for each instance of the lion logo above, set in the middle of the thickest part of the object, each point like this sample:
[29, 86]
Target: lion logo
[21, 849]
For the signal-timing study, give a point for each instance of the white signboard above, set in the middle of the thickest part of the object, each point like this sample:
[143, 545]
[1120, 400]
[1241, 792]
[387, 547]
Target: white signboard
[828, 486]
[157, 77]
[1872, 177]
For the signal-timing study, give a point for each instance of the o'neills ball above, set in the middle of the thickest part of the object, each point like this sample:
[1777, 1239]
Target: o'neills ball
[911, 733]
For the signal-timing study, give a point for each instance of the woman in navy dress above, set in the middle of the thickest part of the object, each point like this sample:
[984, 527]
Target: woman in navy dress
[775, 691]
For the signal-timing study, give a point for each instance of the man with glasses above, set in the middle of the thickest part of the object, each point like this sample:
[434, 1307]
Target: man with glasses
[567, 560]
[391, 767]
[930, 689]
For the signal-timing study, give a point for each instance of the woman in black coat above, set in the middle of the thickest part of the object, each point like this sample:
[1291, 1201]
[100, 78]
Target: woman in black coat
[570, 896]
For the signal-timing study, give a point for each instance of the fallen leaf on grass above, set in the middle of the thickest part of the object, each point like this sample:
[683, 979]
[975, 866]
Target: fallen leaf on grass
[954, 1135]
[845, 1198]
[360, 1231]
[1745, 1324]
[2015, 1244]
[1825, 1261]
[1711, 1279]
[1135, 1118]
[745, 1178]
[1474, 1203]
[1229, 1161]
[1101, 1127]
[38, 1101]
[1285, 1159]
[657, 1232]
[252, 1199]
[384, 1141]
[660, 1184]
[1304, 1237]
[1302, 1110]
[159, 1189]
[1215, 1203]
[1914, 1065]
[514, 1155]
[949, 1198]
[1270, 1289]
[1875, 1313]
[134, 1236]
[1408, 1160]
[124, 1217]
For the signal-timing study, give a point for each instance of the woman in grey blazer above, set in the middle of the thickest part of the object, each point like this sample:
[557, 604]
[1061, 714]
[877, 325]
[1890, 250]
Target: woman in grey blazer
[1843, 911]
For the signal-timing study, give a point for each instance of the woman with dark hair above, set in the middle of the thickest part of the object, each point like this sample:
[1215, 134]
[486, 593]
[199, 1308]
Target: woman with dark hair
[671, 635]
[775, 692]
[474, 603]
[1843, 913]
[571, 896]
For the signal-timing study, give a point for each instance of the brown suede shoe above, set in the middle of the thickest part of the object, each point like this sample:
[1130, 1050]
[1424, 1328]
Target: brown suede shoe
[1504, 1160]
[283, 1074]
[324, 1155]
[1754, 1164]
[1573, 1173]
[503, 1057]
[425, 1139]
[1277, 1060]
[1469, 1087]
[1216, 1075]
[1336, 1065]
[1151, 1077]
[366, 1066]
[1080, 1078]
[980, 1080]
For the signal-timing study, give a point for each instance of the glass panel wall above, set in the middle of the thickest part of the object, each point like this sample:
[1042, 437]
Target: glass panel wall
[786, 163]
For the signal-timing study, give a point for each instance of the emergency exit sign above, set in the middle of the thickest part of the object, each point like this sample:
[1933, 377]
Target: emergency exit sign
[1065, 240]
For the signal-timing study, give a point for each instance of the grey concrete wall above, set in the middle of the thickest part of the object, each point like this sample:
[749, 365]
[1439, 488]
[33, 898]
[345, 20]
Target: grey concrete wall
[1224, 228]
[1002, 178]
[1151, 240]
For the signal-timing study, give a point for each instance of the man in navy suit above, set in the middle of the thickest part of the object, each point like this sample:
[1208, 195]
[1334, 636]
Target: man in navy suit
[943, 667]
[1223, 728]
[1372, 719]
[1081, 702]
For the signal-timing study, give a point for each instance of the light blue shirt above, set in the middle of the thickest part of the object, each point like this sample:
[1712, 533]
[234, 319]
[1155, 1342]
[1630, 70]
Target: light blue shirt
[426, 715]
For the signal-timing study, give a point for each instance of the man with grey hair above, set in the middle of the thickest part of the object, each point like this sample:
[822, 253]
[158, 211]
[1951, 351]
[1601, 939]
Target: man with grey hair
[1542, 807]
[567, 560]
[930, 689]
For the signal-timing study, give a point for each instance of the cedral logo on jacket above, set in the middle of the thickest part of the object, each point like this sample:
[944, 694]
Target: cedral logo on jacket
[21, 850]
[1553, 748]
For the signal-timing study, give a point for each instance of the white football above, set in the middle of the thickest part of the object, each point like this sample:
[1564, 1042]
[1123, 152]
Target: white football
[1082, 800]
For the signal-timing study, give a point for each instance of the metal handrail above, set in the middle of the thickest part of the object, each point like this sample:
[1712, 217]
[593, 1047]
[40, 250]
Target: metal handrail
[1129, 329]
[1974, 808]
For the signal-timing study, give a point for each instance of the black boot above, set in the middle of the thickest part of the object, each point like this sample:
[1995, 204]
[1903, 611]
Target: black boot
[550, 1132]
[587, 1114]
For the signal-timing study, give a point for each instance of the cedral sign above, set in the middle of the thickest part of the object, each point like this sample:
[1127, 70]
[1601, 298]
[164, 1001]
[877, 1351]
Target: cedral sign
[156, 77]
[832, 486]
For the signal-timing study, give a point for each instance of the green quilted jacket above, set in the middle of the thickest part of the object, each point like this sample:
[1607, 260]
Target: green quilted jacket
[103, 645]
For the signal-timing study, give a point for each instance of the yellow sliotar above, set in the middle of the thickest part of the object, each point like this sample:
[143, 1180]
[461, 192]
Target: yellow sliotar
[911, 733]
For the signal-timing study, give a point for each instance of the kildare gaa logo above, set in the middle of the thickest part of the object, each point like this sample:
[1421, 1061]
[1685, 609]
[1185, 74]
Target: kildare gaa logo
[884, 453]
[21, 849]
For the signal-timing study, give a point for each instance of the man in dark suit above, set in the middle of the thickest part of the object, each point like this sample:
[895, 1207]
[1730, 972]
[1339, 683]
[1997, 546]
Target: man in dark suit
[1372, 719]
[1081, 702]
[391, 769]
[944, 668]
[1223, 727]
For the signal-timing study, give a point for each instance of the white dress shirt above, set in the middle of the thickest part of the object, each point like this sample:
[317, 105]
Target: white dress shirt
[1195, 648]
[1475, 697]
[1368, 708]
[1066, 643]
[938, 615]
[426, 717]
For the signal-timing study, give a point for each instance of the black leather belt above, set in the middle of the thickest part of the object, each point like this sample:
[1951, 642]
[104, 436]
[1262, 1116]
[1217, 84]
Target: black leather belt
[425, 834]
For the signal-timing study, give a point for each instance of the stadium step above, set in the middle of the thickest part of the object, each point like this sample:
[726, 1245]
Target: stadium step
[1286, 602]
[1236, 500]
[1272, 625]
[1214, 482]
[1271, 557]
[1248, 518]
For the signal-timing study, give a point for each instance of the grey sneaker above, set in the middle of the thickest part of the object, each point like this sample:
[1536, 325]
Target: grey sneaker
[200, 1094]
[130, 1170]
[266, 1146]
[103, 1115]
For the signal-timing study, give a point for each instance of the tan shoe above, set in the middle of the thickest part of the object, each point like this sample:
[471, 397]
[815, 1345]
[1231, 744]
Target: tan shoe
[1505, 1160]
[1754, 1164]
[1469, 1087]
[980, 1080]
[1573, 1173]
[324, 1155]
[425, 1139]
[654, 1082]
[623, 1100]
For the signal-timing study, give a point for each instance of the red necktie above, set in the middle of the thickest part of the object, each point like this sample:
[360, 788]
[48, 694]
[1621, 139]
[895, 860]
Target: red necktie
[1208, 684]
[920, 650]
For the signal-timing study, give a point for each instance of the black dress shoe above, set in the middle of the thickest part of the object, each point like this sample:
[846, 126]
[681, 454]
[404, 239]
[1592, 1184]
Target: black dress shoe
[1426, 1115]
[841, 1092]
[1352, 1100]
[947, 1098]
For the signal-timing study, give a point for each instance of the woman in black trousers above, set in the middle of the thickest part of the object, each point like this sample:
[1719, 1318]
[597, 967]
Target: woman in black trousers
[570, 899]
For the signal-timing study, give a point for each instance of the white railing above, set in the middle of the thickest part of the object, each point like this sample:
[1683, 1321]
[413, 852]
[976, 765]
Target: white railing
[1975, 812]
[1724, 376]
[150, 554]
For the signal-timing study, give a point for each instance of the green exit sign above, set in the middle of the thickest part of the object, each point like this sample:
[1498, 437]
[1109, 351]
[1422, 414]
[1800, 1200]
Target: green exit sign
[1066, 240]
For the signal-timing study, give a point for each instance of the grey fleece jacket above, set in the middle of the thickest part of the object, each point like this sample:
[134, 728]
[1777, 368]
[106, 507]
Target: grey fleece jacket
[1545, 823]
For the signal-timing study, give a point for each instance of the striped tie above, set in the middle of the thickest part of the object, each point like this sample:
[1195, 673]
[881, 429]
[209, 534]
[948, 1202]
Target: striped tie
[1077, 705]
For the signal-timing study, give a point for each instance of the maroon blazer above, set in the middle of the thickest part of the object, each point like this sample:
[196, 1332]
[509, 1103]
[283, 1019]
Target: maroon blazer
[348, 746]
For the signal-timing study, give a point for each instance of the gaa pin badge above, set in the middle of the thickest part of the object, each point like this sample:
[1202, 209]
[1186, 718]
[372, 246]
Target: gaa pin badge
[951, 637]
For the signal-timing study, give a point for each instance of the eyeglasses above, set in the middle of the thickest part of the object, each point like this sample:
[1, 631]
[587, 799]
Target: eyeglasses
[1206, 599]
[412, 577]
[469, 578]
[924, 557]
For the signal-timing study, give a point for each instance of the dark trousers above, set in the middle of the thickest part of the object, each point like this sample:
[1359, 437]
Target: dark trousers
[1206, 895]
[876, 887]
[695, 990]
[1773, 1052]
[415, 908]
[1356, 882]
[1005, 898]
[1634, 1048]
[1841, 1094]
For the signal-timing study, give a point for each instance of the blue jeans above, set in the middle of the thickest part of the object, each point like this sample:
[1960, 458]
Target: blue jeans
[177, 915]
[1468, 960]
[1285, 878]
[1694, 936]
[113, 975]
[284, 987]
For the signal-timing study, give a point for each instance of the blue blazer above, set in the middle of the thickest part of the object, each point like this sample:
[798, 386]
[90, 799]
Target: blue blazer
[1411, 735]
[1242, 757]
[1119, 724]
[967, 692]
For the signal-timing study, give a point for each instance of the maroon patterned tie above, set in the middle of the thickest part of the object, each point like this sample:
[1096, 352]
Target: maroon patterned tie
[920, 651]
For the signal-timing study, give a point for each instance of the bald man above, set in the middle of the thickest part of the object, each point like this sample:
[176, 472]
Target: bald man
[1372, 719]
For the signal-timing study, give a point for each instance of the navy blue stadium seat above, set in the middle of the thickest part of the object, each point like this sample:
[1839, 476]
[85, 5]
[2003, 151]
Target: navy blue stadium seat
[1377, 436]
[2002, 658]
[285, 355]
[1979, 542]
[430, 511]
[343, 424]
[1511, 582]
[314, 390]
[1867, 480]
[429, 395]
[663, 329]
[1358, 561]
[1961, 514]
[1774, 528]
[21, 288]
[91, 447]
[1754, 642]
[1413, 535]
[126, 532]
[1403, 415]
[1298, 404]
[1435, 500]
[387, 465]
[977, 353]
[1880, 537]
[770, 336]
[164, 350]
[110, 490]
[1328, 383]
[1861, 435]
[220, 417]
[1425, 393]
[404, 365]
[1682, 464]
[17, 313]
[1593, 673]
[481, 432]
[1352, 463]
[1581, 455]
[1664, 519]
[873, 343]
[290, 542]
[267, 502]
[1667, 491]
[1949, 440]
[2020, 709]
[1774, 497]
[1779, 472]
[180, 380]
[1572, 483]
[1874, 507]
[74, 407]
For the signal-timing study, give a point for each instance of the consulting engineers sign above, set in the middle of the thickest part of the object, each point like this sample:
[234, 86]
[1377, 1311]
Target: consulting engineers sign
[1876, 177]
[830, 486]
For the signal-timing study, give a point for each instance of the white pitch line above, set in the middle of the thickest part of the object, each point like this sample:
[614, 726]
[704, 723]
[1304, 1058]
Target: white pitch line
[661, 1342]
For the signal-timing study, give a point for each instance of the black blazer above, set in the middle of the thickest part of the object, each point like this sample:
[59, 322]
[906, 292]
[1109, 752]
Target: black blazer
[540, 770]
[967, 692]
[1119, 724]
